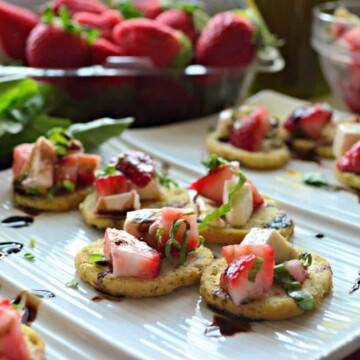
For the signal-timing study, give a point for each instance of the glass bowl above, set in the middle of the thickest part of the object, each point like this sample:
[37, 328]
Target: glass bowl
[333, 38]
[127, 86]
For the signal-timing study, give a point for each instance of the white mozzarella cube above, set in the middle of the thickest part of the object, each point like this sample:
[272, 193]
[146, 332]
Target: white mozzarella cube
[118, 203]
[347, 134]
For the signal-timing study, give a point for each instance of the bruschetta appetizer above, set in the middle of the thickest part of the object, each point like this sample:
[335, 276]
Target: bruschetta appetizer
[158, 251]
[265, 278]
[228, 205]
[18, 341]
[249, 134]
[129, 182]
[53, 173]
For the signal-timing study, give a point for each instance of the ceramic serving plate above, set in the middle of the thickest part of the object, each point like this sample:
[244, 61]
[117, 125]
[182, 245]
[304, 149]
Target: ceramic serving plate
[174, 326]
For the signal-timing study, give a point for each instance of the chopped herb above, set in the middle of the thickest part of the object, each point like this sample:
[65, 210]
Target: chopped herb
[61, 139]
[165, 181]
[108, 170]
[213, 162]
[211, 128]
[306, 259]
[160, 233]
[32, 243]
[65, 185]
[287, 238]
[255, 269]
[17, 307]
[316, 179]
[97, 259]
[73, 284]
[29, 256]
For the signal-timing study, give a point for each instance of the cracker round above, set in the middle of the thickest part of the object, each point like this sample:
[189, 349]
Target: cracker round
[170, 277]
[305, 146]
[266, 216]
[34, 342]
[176, 197]
[58, 203]
[349, 179]
[273, 159]
[276, 304]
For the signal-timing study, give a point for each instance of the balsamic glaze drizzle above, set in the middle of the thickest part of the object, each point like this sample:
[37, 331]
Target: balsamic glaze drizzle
[17, 222]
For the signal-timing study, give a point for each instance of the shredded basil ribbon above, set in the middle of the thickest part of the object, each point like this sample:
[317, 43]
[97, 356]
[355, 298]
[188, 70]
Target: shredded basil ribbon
[255, 269]
[225, 208]
[293, 288]
[97, 259]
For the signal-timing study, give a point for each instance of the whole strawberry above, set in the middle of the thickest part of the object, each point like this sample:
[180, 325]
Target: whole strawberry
[75, 6]
[227, 41]
[165, 46]
[102, 49]
[150, 8]
[16, 24]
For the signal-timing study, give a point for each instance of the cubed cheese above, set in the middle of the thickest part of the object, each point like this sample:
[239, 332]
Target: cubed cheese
[347, 134]
[242, 204]
[118, 203]
[151, 191]
[283, 249]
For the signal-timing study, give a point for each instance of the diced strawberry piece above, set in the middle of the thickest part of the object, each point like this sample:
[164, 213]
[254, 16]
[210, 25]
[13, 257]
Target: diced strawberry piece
[258, 200]
[309, 121]
[102, 49]
[86, 169]
[16, 24]
[265, 117]
[21, 156]
[111, 184]
[296, 270]
[67, 169]
[75, 6]
[150, 8]
[130, 257]
[247, 133]
[170, 214]
[137, 166]
[352, 37]
[212, 186]
[266, 252]
[12, 342]
[350, 161]
[235, 280]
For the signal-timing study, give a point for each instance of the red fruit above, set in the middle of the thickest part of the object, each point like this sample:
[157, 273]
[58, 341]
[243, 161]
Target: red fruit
[258, 200]
[111, 185]
[296, 270]
[67, 169]
[16, 24]
[350, 161]
[226, 41]
[309, 121]
[130, 257]
[86, 169]
[179, 20]
[75, 6]
[102, 49]
[247, 133]
[137, 167]
[212, 186]
[265, 117]
[148, 38]
[21, 155]
[352, 37]
[105, 22]
[51, 47]
[150, 8]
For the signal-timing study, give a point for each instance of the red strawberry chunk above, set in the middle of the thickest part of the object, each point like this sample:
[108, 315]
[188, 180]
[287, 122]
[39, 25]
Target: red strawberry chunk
[67, 169]
[16, 24]
[309, 121]
[265, 117]
[296, 270]
[111, 185]
[258, 200]
[247, 133]
[86, 168]
[130, 257]
[21, 156]
[137, 166]
[212, 186]
[350, 161]
[12, 342]
[102, 49]
[352, 37]
[75, 6]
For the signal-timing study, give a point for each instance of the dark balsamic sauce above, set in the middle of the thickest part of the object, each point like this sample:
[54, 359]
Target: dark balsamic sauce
[29, 211]
[98, 298]
[356, 285]
[223, 326]
[319, 236]
[8, 248]
[350, 191]
[17, 222]
[280, 222]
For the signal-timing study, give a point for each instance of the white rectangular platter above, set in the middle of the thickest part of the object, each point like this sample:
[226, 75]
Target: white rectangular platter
[173, 326]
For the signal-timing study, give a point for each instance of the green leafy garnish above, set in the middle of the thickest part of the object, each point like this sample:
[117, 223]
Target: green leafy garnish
[160, 233]
[97, 259]
[32, 243]
[316, 179]
[29, 256]
[213, 162]
[306, 259]
[17, 307]
[165, 181]
[61, 140]
[108, 170]
[65, 185]
[73, 284]
[293, 288]
[255, 269]
[128, 10]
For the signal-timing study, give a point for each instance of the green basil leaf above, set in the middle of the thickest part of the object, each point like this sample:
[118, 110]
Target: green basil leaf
[97, 259]
[255, 269]
[316, 179]
[73, 284]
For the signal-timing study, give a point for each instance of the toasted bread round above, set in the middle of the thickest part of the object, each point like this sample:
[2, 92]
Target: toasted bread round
[58, 203]
[276, 304]
[176, 197]
[306, 146]
[349, 179]
[266, 216]
[35, 344]
[260, 160]
[170, 278]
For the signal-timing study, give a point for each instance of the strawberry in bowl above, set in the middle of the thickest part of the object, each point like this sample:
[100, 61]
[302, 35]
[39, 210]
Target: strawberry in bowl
[53, 173]
[158, 251]
[266, 278]
[18, 341]
[228, 205]
[249, 134]
[129, 182]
